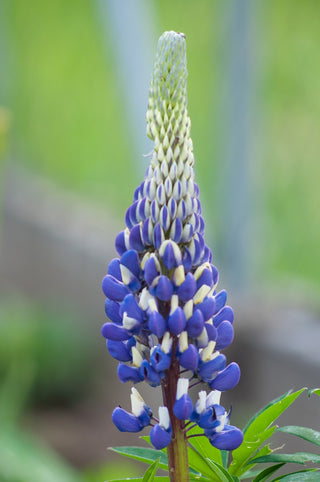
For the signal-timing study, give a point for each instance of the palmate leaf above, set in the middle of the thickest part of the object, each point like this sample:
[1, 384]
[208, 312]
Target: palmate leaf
[257, 431]
[303, 432]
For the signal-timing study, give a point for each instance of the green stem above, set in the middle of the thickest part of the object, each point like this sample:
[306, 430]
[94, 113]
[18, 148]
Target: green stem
[177, 450]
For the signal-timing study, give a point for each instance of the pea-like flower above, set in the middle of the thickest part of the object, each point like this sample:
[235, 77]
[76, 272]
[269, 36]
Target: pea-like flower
[165, 313]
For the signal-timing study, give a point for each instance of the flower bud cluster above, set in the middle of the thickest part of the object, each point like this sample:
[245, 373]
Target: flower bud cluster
[161, 292]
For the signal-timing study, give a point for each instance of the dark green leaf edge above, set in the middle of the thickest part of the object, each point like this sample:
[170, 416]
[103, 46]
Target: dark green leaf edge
[308, 475]
[242, 454]
[213, 467]
[312, 436]
[151, 471]
[160, 478]
[222, 473]
[142, 454]
[266, 473]
[315, 391]
[271, 404]
[296, 458]
[203, 445]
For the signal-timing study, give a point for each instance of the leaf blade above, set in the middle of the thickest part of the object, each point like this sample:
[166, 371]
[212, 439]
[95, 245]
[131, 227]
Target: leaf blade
[309, 475]
[203, 445]
[142, 454]
[151, 471]
[296, 458]
[256, 429]
[265, 474]
[316, 391]
[312, 436]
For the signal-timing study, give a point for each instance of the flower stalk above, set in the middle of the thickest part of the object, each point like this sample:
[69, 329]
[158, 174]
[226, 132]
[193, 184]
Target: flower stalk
[177, 449]
[166, 318]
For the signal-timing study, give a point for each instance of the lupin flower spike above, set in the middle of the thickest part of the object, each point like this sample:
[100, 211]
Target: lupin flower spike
[165, 313]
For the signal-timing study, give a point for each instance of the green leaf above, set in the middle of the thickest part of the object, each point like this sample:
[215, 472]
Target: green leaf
[309, 475]
[252, 448]
[198, 462]
[250, 474]
[220, 471]
[203, 445]
[139, 479]
[224, 457]
[265, 450]
[145, 455]
[200, 478]
[271, 412]
[316, 391]
[112, 470]
[257, 430]
[160, 478]
[265, 474]
[151, 471]
[194, 459]
[297, 458]
[303, 432]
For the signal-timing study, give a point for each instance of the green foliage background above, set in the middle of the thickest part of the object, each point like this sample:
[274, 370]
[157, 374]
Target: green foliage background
[60, 83]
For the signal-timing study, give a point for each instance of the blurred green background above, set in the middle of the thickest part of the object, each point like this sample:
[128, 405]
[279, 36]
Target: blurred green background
[61, 88]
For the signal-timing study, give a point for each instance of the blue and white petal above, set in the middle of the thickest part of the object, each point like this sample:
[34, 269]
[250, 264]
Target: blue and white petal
[183, 406]
[125, 421]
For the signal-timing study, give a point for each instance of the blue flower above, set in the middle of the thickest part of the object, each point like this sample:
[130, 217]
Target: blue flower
[183, 405]
[160, 434]
[165, 315]
[135, 421]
